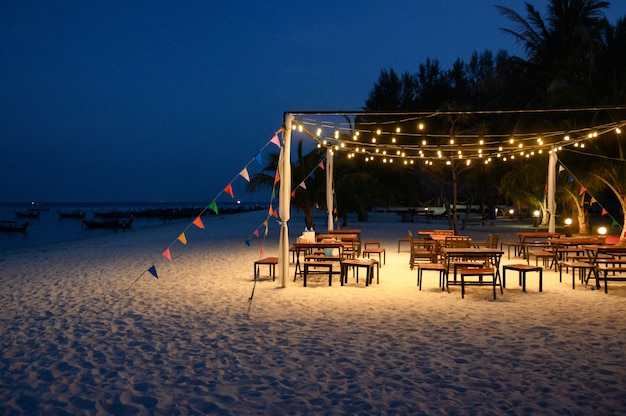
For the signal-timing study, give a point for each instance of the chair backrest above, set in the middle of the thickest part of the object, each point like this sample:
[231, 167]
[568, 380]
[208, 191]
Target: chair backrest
[492, 240]
[443, 232]
[457, 241]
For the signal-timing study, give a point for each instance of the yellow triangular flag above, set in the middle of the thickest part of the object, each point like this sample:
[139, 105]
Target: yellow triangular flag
[182, 238]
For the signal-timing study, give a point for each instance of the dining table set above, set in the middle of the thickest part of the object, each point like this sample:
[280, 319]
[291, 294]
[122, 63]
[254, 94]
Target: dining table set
[334, 253]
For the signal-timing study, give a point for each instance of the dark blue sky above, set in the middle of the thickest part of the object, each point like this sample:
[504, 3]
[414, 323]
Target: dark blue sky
[126, 101]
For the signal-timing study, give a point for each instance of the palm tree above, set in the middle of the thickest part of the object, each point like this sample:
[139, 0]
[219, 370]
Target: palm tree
[305, 199]
[561, 48]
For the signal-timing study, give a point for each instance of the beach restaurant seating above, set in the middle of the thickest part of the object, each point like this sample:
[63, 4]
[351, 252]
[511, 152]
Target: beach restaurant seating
[421, 250]
[492, 242]
[373, 247]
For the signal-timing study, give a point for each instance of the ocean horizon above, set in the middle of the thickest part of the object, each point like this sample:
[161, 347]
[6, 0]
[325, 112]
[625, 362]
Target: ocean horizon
[51, 228]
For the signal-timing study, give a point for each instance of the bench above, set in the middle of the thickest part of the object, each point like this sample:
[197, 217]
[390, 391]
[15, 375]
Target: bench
[480, 272]
[613, 269]
[271, 262]
[308, 265]
[438, 267]
[523, 269]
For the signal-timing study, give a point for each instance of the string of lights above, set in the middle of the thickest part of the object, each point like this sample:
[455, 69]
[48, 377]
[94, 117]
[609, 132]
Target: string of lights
[388, 136]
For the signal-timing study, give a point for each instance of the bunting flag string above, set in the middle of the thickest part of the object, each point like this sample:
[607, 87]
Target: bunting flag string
[244, 173]
[571, 178]
[311, 175]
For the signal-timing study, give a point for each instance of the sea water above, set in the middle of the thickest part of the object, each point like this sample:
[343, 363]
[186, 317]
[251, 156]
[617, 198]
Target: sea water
[50, 228]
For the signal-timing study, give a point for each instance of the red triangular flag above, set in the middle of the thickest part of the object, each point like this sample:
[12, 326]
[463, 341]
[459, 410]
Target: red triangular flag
[582, 190]
[229, 190]
[256, 232]
[321, 165]
[167, 254]
[293, 194]
[604, 212]
[275, 140]
[276, 178]
[198, 222]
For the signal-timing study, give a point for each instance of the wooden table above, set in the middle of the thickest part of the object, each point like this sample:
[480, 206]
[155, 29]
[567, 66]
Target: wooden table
[313, 246]
[491, 255]
[535, 239]
[368, 265]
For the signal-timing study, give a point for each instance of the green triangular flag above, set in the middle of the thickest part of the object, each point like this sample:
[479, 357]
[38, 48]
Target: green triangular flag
[614, 224]
[213, 207]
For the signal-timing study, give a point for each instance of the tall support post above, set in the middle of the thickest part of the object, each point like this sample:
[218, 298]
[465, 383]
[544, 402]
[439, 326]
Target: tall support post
[552, 191]
[329, 188]
[284, 200]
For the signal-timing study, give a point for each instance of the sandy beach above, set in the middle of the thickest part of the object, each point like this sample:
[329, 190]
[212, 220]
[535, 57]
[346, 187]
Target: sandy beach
[78, 339]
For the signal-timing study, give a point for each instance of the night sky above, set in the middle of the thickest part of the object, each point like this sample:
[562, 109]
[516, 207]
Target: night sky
[128, 101]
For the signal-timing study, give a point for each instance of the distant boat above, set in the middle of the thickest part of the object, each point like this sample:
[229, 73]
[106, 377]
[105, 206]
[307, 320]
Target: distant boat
[29, 213]
[109, 223]
[72, 214]
[12, 226]
[112, 214]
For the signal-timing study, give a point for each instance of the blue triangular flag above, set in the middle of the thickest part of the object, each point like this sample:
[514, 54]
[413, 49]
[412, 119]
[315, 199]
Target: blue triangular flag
[153, 271]
[259, 159]
[570, 179]
[248, 243]
[312, 175]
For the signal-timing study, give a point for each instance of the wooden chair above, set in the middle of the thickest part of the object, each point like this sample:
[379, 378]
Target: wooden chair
[492, 242]
[421, 249]
[457, 241]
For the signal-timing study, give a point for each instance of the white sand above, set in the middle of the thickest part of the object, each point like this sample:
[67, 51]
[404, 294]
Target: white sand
[75, 340]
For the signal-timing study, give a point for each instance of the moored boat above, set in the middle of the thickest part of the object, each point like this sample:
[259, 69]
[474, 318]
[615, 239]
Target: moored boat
[29, 213]
[108, 223]
[13, 226]
[71, 214]
[112, 214]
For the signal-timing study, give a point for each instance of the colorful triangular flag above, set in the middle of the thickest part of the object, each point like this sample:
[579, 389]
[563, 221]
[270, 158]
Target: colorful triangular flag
[276, 178]
[561, 168]
[153, 271]
[570, 179]
[593, 201]
[266, 226]
[256, 233]
[321, 165]
[167, 254]
[604, 212]
[182, 238]
[229, 190]
[213, 207]
[275, 140]
[582, 190]
[244, 174]
[198, 222]
[259, 159]
[248, 243]
[302, 185]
